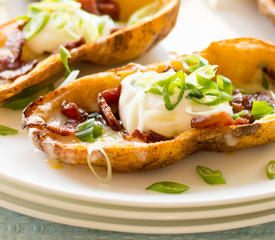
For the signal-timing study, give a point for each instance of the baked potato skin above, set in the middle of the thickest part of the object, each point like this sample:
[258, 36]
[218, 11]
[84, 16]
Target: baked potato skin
[131, 157]
[121, 46]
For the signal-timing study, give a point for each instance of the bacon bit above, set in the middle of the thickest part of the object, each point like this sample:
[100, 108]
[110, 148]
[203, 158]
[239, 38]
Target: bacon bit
[110, 8]
[72, 111]
[101, 7]
[106, 110]
[217, 120]
[89, 6]
[72, 45]
[68, 129]
[148, 137]
[112, 95]
[16, 69]
[12, 41]
[12, 44]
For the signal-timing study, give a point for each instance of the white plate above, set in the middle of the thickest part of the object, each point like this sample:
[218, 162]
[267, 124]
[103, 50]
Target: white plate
[130, 225]
[244, 170]
[132, 212]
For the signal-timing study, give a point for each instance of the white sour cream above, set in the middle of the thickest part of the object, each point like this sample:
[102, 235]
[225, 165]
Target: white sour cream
[147, 111]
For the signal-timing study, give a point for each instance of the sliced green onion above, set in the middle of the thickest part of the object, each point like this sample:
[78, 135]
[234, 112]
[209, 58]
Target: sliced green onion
[224, 84]
[72, 77]
[239, 114]
[23, 99]
[169, 88]
[270, 170]
[168, 187]
[24, 18]
[65, 55]
[211, 176]
[88, 131]
[195, 93]
[19, 103]
[193, 62]
[209, 92]
[37, 22]
[4, 131]
[265, 83]
[56, 5]
[261, 109]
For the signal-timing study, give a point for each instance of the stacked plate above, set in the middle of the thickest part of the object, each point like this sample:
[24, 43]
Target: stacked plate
[31, 185]
[156, 213]
[72, 195]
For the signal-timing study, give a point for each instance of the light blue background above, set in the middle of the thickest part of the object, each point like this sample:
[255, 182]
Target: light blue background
[14, 226]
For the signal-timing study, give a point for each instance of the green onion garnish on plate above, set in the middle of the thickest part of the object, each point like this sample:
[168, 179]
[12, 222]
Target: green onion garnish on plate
[211, 176]
[168, 187]
[270, 170]
[4, 131]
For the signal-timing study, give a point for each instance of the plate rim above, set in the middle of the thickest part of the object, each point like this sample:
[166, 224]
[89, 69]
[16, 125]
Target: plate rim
[220, 226]
[134, 213]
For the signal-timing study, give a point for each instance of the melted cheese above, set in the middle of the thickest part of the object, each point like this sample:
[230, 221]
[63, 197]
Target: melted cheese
[147, 111]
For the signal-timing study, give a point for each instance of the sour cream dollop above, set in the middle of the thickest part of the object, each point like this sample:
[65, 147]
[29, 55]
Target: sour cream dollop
[147, 111]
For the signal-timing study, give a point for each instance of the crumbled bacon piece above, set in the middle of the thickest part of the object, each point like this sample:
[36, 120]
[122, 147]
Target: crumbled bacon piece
[110, 8]
[112, 95]
[148, 137]
[12, 44]
[101, 7]
[89, 6]
[12, 41]
[17, 69]
[217, 120]
[72, 111]
[72, 45]
[106, 98]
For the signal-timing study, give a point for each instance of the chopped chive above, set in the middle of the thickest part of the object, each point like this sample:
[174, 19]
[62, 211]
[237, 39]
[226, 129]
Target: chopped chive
[211, 176]
[35, 24]
[65, 55]
[270, 170]
[23, 99]
[4, 131]
[88, 131]
[261, 109]
[168, 187]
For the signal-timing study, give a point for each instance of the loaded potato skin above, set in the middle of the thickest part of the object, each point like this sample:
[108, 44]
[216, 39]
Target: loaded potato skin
[243, 60]
[121, 45]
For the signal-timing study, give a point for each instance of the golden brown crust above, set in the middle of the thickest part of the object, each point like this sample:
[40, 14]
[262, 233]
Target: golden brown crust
[240, 59]
[267, 7]
[120, 46]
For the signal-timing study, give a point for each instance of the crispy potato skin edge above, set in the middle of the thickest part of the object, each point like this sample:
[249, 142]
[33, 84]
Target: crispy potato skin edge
[119, 47]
